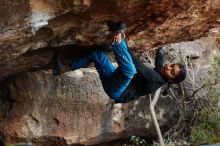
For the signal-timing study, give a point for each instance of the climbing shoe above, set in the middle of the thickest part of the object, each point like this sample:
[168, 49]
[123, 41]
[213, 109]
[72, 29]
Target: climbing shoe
[58, 66]
[116, 26]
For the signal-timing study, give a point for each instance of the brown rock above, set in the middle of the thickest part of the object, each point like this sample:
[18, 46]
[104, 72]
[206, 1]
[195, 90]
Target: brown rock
[74, 109]
[29, 25]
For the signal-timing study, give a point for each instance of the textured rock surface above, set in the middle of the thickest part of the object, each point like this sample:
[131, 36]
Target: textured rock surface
[29, 25]
[54, 111]
[72, 109]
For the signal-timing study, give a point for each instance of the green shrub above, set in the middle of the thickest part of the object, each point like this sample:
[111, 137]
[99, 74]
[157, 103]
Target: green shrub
[208, 128]
[136, 141]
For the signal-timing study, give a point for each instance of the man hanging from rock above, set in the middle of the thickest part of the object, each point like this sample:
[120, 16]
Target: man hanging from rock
[131, 78]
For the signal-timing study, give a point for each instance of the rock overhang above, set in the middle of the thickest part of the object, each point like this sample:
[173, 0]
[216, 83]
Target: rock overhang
[46, 26]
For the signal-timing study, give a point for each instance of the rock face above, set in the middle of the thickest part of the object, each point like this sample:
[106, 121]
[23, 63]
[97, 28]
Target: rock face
[73, 109]
[54, 111]
[37, 25]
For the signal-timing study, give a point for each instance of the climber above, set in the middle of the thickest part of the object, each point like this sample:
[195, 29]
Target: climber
[131, 78]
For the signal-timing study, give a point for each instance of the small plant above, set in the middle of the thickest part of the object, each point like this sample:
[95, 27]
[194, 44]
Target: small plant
[207, 131]
[136, 141]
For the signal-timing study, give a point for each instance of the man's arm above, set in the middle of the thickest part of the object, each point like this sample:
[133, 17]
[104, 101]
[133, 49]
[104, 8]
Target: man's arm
[146, 72]
[159, 60]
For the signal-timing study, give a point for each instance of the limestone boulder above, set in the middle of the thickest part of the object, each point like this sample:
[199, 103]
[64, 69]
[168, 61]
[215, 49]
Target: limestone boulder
[74, 109]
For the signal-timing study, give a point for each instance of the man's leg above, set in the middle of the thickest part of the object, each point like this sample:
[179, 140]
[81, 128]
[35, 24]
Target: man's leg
[124, 59]
[101, 62]
[121, 78]
[100, 59]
